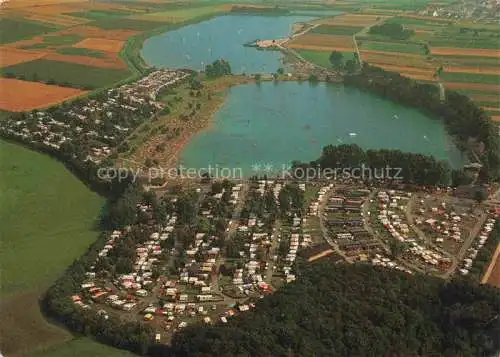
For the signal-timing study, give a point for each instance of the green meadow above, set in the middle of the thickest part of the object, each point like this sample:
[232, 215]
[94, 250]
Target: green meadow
[12, 30]
[322, 58]
[48, 218]
[65, 73]
[389, 46]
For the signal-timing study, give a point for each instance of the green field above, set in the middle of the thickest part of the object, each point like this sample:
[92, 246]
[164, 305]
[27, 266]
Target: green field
[12, 30]
[322, 58]
[76, 51]
[126, 24]
[473, 61]
[101, 14]
[65, 73]
[62, 40]
[417, 22]
[391, 46]
[470, 78]
[48, 218]
[82, 347]
[336, 30]
[181, 15]
[51, 40]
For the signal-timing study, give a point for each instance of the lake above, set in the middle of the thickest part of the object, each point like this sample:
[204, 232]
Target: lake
[268, 125]
[199, 44]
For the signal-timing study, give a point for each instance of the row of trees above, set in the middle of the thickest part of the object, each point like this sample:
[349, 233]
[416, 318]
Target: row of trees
[218, 68]
[463, 119]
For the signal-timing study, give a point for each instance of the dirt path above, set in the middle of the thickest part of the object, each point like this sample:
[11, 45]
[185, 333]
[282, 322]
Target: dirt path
[493, 267]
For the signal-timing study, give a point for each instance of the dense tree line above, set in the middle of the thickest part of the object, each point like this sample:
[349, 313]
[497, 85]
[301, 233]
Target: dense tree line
[381, 164]
[218, 68]
[360, 310]
[394, 31]
[463, 119]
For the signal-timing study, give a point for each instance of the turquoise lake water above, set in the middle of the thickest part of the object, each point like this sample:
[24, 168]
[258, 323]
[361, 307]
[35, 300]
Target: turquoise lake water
[221, 37]
[270, 124]
[273, 123]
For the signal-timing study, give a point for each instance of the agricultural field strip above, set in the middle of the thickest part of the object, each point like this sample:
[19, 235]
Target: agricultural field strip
[325, 42]
[26, 96]
[105, 45]
[473, 52]
[11, 56]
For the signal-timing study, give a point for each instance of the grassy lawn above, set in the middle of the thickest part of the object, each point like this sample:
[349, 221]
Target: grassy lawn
[470, 78]
[47, 218]
[76, 51]
[322, 58]
[336, 30]
[75, 75]
[82, 347]
[391, 46]
[12, 30]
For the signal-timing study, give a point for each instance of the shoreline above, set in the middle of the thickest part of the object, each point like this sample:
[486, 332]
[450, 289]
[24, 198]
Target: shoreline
[217, 89]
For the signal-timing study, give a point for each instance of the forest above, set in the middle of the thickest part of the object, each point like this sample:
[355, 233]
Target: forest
[358, 310]
[415, 168]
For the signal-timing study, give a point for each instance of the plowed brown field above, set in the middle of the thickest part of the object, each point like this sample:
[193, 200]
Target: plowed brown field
[96, 32]
[496, 118]
[419, 77]
[480, 70]
[476, 52]
[17, 4]
[493, 109]
[396, 59]
[485, 98]
[19, 95]
[11, 56]
[108, 62]
[323, 43]
[101, 44]
[478, 86]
